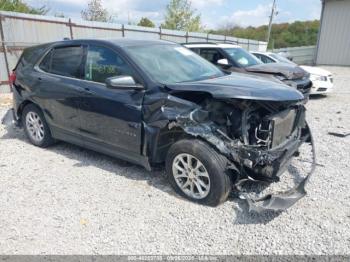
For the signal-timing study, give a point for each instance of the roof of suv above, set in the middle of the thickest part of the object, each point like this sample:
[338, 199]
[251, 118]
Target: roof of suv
[206, 45]
[122, 42]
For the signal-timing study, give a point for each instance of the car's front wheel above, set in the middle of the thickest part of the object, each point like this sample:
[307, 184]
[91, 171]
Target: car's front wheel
[197, 172]
[35, 126]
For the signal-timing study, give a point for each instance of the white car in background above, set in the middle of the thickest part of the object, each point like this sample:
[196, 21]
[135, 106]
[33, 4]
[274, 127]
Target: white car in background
[322, 80]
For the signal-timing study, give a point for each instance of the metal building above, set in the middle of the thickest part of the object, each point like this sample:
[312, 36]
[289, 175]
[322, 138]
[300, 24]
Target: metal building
[333, 46]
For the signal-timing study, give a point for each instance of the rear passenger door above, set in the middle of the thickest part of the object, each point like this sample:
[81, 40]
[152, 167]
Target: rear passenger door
[58, 78]
[111, 118]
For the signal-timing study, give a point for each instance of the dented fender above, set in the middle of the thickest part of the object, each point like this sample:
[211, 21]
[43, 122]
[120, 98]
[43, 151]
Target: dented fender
[167, 117]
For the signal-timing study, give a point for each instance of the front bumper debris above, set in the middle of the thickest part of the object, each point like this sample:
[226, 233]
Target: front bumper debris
[242, 158]
[283, 200]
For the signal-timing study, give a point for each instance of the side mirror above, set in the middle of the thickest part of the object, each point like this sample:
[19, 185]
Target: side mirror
[223, 62]
[122, 82]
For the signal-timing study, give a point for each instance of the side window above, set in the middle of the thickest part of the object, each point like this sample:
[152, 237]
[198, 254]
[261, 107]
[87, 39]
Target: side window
[46, 62]
[29, 57]
[212, 55]
[258, 56]
[266, 59]
[65, 61]
[102, 63]
[196, 50]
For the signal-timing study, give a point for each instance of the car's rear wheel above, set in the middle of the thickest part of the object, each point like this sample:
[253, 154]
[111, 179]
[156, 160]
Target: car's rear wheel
[35, 126]
[198, 172]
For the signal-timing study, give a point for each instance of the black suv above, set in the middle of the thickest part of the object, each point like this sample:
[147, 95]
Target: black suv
[233, 58]
[155, 102]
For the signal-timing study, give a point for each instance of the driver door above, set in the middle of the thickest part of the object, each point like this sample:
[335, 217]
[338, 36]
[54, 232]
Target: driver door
[110, 118]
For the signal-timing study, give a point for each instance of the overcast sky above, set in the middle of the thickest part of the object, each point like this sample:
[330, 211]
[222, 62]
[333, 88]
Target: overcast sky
[215, 13]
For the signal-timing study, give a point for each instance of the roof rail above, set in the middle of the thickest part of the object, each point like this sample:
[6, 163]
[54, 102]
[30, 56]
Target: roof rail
[197, 43]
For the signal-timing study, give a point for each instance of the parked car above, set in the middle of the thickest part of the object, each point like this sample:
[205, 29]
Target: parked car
[322, 80]
[156, 102]
[233, 58]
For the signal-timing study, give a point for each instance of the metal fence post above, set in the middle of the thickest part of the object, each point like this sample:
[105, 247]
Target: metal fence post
[4, 48]
[70, 28]
[160, 32]
[186, 37]
[225, 38]
[123, 32]
[207, 37]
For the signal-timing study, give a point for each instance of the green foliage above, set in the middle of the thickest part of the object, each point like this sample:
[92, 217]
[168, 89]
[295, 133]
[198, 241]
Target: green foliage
[96, 12]
[299, 33]
[20, 6]
[144, 21]
[181, 16]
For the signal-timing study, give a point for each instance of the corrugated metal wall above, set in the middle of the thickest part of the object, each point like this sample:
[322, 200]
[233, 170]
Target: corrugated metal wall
[334, 38]
[19, 31]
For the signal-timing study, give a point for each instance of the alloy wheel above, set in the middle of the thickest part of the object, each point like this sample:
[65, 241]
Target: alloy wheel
[35, 126]
[191, 176]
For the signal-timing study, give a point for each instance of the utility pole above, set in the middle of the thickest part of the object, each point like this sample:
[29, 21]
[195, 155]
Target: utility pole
[273, 13]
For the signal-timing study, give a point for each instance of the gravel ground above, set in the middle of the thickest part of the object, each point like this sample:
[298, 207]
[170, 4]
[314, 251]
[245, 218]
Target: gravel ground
[68, 200]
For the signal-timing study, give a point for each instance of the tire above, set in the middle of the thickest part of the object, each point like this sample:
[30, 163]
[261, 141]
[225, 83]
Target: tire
[217, 187]
[33, 119]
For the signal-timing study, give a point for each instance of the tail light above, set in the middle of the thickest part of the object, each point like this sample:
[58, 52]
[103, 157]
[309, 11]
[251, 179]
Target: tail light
[12, 78]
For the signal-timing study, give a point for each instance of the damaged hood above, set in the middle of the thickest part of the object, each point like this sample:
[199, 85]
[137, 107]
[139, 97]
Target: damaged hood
[289, 71]
[241, 86]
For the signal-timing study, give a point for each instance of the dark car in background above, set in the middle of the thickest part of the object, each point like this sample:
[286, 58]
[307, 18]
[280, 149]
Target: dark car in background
[155, 102]
[233, 58]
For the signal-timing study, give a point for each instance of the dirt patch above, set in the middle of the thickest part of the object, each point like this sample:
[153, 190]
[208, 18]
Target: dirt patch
[5, 100]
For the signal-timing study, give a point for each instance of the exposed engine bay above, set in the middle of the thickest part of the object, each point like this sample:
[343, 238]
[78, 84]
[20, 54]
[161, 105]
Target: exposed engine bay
[259, 138]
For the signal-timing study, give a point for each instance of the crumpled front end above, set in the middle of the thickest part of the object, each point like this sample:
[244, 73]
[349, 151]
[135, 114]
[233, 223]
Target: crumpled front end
[291, 75]
[303, 85]
[258, 138]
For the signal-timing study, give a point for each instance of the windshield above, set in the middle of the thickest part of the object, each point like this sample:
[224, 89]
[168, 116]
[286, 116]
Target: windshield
[168, 64]
[282, 59]
[242, 57]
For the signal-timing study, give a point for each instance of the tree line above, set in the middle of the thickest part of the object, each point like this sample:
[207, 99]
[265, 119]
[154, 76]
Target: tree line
[180, 15]
[298, 33]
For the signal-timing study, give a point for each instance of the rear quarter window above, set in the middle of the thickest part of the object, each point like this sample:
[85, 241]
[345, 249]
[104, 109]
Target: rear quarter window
[46, 62]
[29, 57]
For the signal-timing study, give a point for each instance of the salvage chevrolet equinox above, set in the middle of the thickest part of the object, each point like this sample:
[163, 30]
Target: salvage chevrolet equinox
[156, 102]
